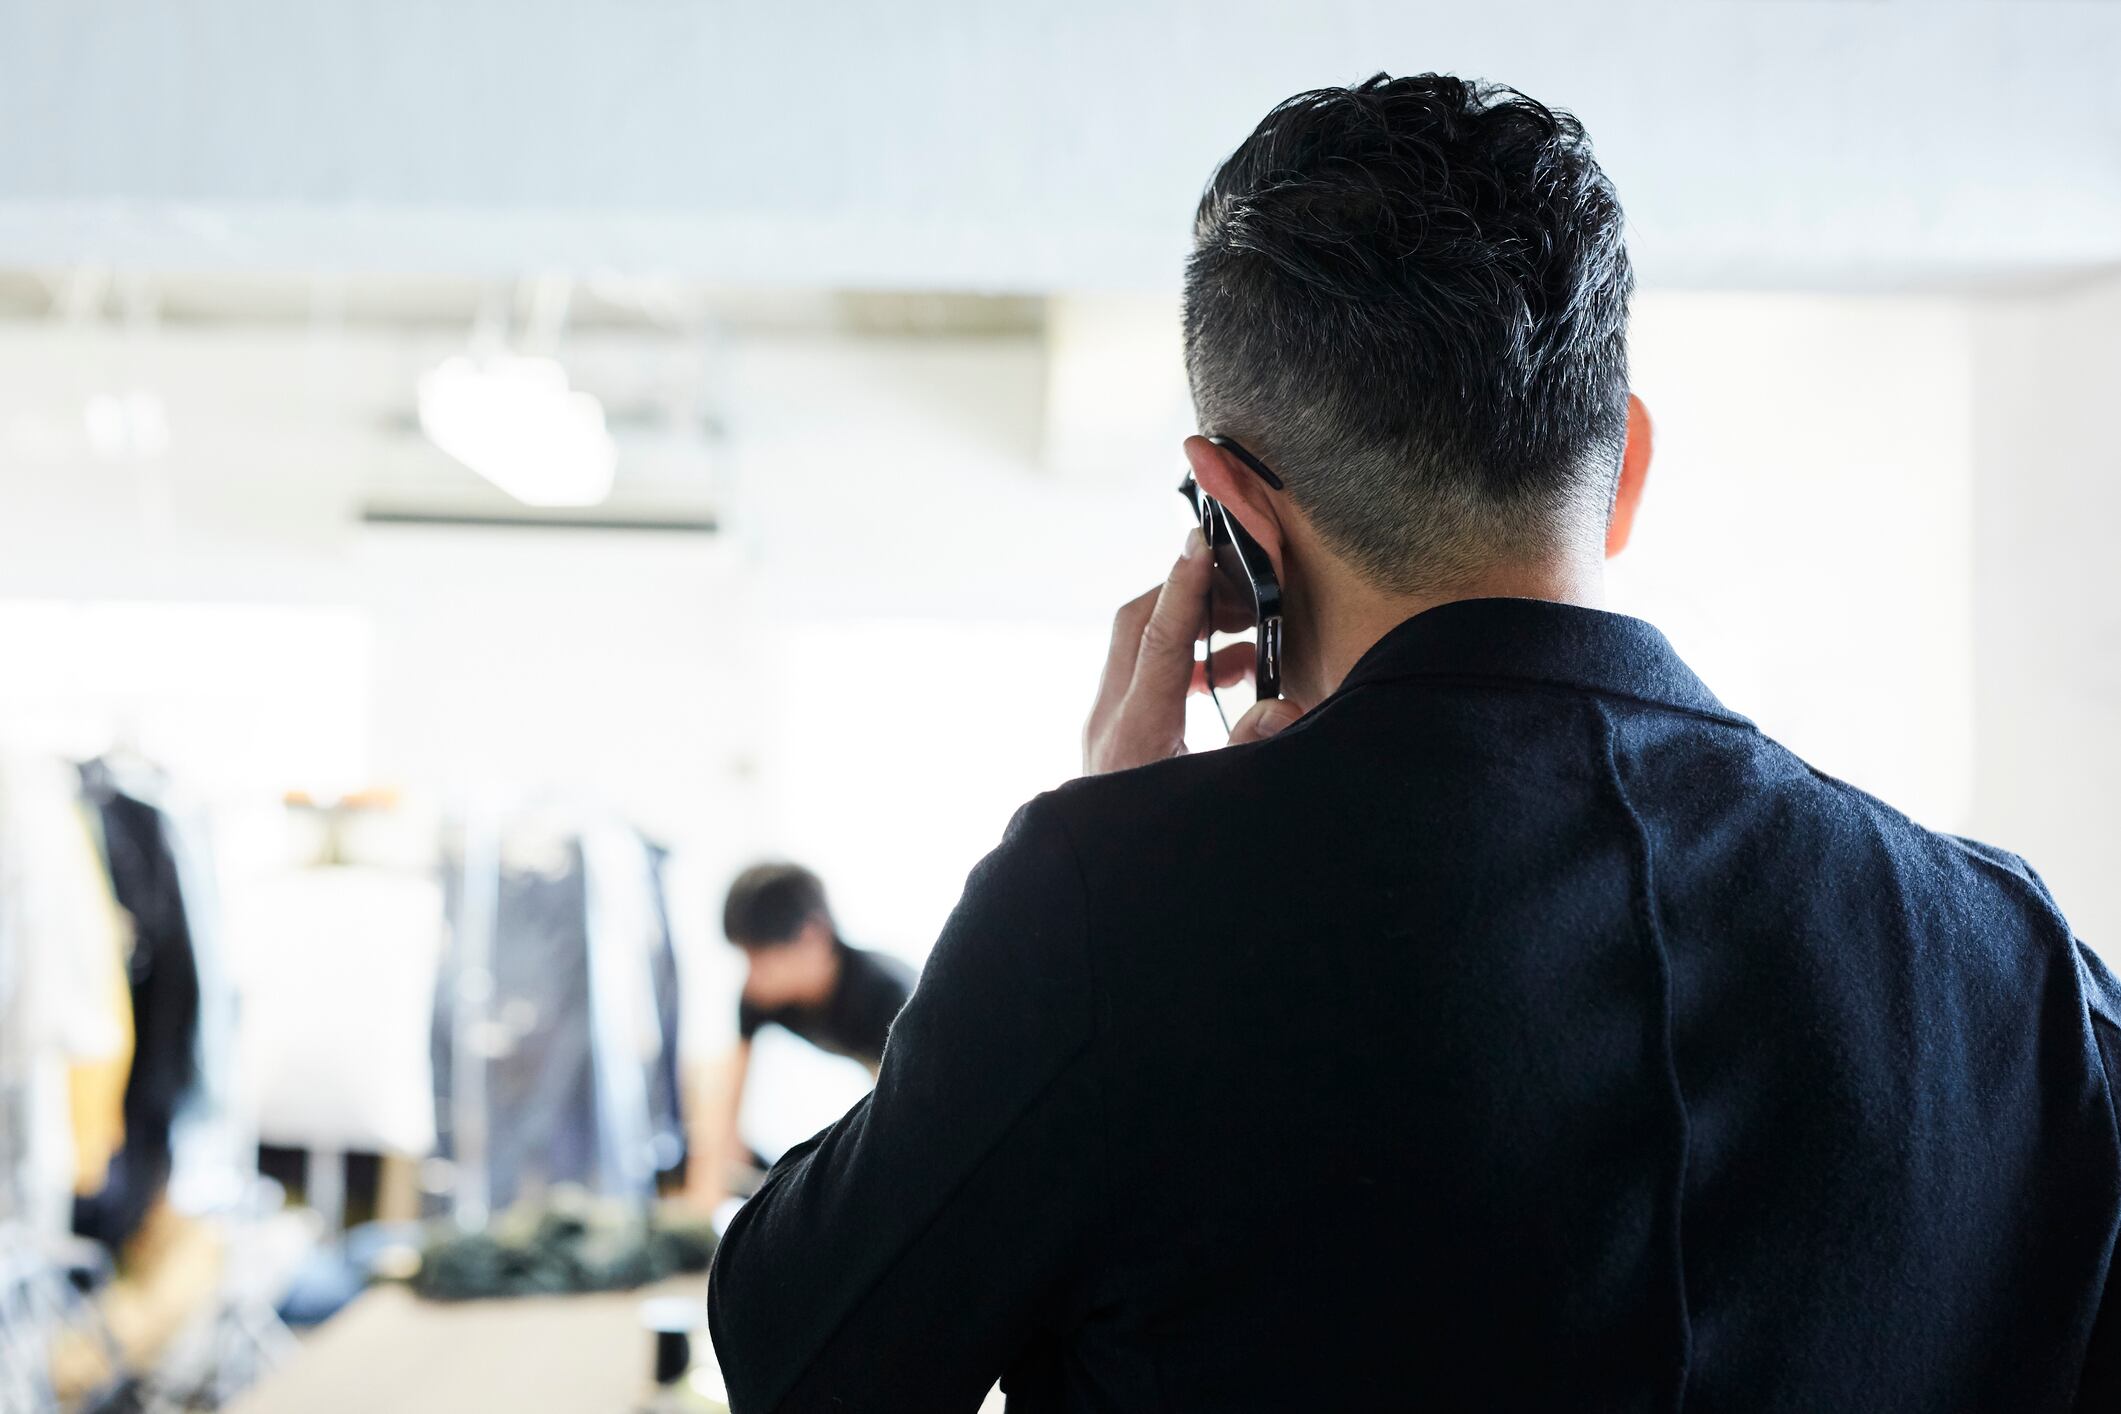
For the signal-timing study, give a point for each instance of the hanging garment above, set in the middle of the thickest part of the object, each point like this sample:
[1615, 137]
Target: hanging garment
[540, 1079]
[59, 937]
[95, 1087]
[666, 1095]
[213, 1144]
[579, 1033]
[165, 996]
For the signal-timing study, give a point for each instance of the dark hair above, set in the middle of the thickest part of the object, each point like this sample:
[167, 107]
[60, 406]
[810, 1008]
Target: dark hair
[1409, 298]
[769, 904]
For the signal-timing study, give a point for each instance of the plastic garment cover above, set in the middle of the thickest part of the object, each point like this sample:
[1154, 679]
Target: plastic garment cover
[554, 1037]
[214, 1141]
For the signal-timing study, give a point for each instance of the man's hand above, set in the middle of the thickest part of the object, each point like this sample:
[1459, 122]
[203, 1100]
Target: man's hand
[1140, 714]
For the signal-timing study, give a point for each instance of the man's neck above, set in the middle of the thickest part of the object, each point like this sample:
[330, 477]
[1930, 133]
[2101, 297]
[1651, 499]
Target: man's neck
[1346, 616]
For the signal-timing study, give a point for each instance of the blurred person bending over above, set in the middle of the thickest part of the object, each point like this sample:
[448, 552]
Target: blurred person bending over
[799, 976]
[1516, 1028]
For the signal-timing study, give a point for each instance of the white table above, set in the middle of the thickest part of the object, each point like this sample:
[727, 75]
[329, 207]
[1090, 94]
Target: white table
[392, 1351]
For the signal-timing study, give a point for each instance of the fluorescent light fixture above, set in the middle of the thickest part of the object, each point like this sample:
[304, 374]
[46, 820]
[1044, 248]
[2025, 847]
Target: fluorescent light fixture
[516, 422]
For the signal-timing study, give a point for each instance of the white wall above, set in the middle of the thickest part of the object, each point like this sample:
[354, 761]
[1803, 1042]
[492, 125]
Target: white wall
[2048, 593]
[1806, 538]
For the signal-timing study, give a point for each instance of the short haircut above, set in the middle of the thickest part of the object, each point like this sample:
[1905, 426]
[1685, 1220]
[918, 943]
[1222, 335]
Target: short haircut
[1409, 298]
[769, 904]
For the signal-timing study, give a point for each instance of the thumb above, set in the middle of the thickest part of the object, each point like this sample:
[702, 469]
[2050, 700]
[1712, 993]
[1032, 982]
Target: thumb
[1264, 719]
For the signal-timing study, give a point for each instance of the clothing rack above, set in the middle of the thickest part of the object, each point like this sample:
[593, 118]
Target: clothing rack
[77, 845]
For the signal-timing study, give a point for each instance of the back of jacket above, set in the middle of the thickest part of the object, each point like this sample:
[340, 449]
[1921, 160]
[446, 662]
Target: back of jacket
[1522, 1029]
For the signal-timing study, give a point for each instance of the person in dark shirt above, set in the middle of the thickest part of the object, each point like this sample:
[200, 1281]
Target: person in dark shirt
[802, 978]
[1500, 1021]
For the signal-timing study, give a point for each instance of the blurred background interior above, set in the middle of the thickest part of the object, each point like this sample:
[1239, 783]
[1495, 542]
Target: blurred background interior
[473, 477]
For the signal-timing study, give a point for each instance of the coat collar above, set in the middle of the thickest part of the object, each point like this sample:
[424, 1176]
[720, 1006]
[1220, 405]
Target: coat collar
[1537, 641]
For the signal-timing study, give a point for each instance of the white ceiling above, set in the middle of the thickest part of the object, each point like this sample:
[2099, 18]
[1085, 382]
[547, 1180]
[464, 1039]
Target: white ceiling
[955, 144]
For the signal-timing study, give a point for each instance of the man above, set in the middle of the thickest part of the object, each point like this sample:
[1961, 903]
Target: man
[800, 977]
[1517, 1029]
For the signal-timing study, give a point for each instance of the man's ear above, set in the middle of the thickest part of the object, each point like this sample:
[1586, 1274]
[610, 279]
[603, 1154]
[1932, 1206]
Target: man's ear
[1634, 471]
[1242, 493]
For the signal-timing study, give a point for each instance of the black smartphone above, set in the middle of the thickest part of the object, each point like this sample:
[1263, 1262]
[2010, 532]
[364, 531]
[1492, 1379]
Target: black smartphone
[1243, 598]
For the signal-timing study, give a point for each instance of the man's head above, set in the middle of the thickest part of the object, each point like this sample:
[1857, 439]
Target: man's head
[778, 915]
[1409, 298]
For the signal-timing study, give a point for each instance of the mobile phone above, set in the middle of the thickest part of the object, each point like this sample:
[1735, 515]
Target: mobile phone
[1243, 597]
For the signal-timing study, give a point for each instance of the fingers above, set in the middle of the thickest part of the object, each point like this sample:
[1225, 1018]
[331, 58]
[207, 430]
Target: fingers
[1127, 626]
[1140, 713]
[1164, 666]
[1150, 669]
[1264, 720]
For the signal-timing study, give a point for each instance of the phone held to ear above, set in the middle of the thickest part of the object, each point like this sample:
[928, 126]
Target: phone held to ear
[1244, 600]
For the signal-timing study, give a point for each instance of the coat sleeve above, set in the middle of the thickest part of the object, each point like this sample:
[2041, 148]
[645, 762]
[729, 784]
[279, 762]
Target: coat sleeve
[908, 1256]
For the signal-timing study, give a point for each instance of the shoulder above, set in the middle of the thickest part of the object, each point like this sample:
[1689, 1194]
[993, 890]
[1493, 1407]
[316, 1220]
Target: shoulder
[1978, 881]
[1020, 919]
[1965, 868]
[2010, 868]
[2102, 990]
[1113, 812]
[1008, 989]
